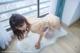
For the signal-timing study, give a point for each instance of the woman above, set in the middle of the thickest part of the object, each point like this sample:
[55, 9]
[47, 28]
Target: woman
[20, 25]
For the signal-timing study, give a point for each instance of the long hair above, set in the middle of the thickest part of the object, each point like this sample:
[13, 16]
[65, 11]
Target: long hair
[17, 20]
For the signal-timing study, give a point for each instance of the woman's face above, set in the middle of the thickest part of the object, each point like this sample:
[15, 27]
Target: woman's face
[22, 27]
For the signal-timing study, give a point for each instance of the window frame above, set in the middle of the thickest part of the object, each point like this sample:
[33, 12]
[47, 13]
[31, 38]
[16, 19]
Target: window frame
[38, 10]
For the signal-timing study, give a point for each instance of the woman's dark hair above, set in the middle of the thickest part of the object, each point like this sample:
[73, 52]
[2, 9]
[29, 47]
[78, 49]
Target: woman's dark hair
[17, 20]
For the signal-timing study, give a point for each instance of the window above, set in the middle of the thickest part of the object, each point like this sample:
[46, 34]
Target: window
[43, 7]
[32, 8]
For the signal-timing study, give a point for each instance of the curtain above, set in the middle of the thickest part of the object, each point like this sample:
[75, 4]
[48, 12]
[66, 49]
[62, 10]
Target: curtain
[59, 8]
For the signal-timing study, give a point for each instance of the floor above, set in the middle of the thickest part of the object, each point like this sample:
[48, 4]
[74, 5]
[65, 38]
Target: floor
[66, 44]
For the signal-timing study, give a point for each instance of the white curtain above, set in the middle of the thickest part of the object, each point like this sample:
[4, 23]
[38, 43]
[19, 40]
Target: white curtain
[5, 38]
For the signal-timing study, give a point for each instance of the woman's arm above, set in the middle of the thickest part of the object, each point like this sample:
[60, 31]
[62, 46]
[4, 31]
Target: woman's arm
[38, 42]
[41, 32]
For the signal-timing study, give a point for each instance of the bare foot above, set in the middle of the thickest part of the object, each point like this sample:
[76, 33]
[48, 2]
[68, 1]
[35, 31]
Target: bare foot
[37, 45]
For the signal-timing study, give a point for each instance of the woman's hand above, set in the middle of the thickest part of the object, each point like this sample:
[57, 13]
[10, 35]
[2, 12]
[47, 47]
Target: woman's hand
[37, 45]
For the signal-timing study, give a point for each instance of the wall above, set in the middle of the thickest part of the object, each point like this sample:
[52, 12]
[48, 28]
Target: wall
[76, 15]
[71, 12]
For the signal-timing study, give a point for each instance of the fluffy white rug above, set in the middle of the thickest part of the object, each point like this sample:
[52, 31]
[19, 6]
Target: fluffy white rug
[28, 44]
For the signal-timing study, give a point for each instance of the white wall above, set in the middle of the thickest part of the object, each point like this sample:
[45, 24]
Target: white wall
[76, 15]
[71, 12]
